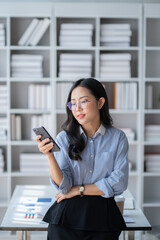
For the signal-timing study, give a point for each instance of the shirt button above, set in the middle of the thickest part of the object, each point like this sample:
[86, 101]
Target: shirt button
[91, 141]
[92, 155]
[90, 171]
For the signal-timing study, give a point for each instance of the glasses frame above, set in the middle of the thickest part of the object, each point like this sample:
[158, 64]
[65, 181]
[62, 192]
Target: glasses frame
[79, 104]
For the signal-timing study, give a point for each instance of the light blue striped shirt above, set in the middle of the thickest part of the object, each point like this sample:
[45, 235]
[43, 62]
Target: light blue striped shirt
[104, 162]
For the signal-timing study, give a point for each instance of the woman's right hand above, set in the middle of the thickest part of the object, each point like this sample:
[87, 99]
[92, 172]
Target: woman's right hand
[43, 146]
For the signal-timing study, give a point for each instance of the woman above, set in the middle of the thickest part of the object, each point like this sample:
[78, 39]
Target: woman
[89, 170]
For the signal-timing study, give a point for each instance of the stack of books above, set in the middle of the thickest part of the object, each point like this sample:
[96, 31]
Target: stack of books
[76, 34]
[115, 65]
[125, 96]
[130, 134]
[149, 96]
[152, 132]
[41, 120]
[152, 162]
[1, 161]
[115, 35]
[27, 65]
[34, 32]
[16, 128]
[2, 35]
[39, 96]
[3, 128]
[62, 94]
[74, 65]
[33, 162]
[3, 97]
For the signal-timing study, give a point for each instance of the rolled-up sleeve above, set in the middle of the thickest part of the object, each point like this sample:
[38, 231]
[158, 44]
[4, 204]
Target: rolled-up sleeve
[117, 181]
[61, 158]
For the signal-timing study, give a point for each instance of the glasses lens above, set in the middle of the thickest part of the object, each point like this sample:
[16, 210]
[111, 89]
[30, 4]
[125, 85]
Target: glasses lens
[70, 105]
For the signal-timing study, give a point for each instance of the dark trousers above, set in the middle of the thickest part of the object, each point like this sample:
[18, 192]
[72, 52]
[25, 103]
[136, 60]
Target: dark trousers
[59, 232]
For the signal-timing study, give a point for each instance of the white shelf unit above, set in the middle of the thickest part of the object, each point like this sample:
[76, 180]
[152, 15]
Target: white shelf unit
[16, 18]
[110, 13]
[151, 76]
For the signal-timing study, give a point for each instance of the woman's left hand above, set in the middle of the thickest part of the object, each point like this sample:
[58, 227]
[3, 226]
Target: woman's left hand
[74, 191]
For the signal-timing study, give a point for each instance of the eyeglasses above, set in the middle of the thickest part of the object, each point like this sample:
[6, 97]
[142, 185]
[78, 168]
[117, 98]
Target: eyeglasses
[82, 104]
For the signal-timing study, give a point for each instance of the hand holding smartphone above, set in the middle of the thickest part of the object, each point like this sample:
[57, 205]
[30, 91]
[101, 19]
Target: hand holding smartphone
[44, 134]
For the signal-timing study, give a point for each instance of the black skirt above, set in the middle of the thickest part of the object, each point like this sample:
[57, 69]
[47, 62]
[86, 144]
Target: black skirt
[90, 213]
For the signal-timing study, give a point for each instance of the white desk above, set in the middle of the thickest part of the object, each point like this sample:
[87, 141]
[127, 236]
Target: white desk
[23, 228]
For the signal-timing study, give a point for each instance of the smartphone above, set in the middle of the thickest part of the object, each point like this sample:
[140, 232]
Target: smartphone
[43, 132]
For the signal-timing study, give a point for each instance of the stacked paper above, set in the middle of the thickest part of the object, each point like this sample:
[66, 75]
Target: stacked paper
[1, 160]
[152, 132]
[125, 96]
[33, 162]
[149, 96]
[16, 128]
[34, 32]
[3, 128]
[62, 94]
[3, 97]
[152, 162]
[39, 96]
[27, 65]
[115, 35]
[76, 35]
[73, 65]
[41, 120]
[130, 134]
[2, 34]
[115, 65]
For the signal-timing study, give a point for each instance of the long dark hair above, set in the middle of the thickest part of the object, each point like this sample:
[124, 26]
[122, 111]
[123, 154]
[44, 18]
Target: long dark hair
[71, 125]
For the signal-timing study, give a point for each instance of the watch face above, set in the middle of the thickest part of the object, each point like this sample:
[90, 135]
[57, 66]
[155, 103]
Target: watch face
[81, 189]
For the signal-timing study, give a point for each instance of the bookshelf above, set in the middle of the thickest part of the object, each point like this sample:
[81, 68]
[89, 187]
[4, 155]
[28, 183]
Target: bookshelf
[144, 51]
[151, 76]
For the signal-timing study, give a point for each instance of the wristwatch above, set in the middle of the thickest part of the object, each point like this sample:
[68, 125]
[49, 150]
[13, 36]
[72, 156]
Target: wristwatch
[81, 190]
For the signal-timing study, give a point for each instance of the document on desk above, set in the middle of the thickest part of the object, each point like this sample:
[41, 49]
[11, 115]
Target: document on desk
[127, 217]
[30, 210]
[128, 203]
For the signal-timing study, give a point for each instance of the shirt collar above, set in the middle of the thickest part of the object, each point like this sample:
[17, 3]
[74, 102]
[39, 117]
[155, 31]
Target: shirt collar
[100, 130]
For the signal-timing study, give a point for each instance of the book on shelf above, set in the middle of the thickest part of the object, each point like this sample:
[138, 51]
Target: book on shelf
[130, 133]
[75, 56]
[149, 96]
[16, 127]
[3, 97]
[75, 44]
[76, 33]
[1, 160]
[152, 132]
[77, 26]
[41, 120]
[115, 39]
[32, 162]
[152, 162]
[2, 34]
[116, 26]
[62, 91]
[27, 65]
[39, 96]
[115, 65]
[3, 128]
[34, 32]
[115, 56]
[115, 35]
[81, 36]
[29, 30]
[75, 65]
[125, 96]
[116, 32]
